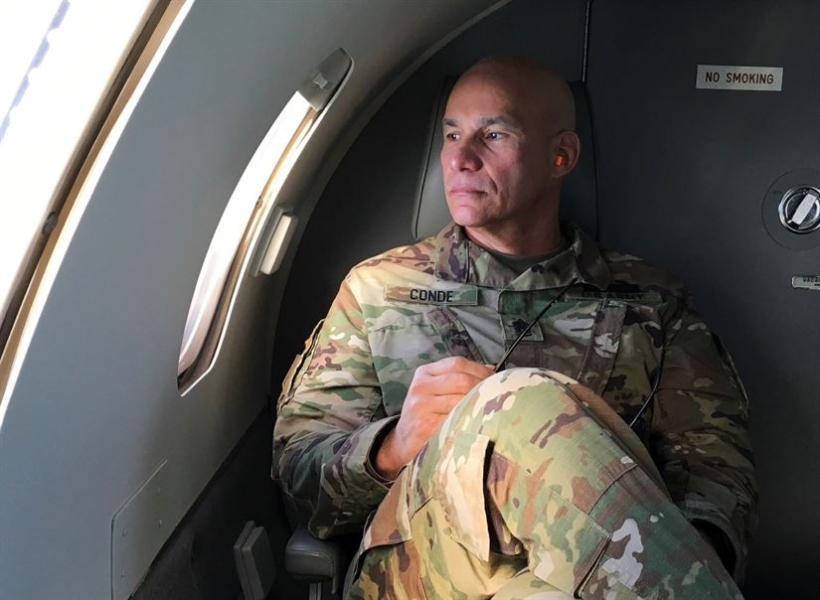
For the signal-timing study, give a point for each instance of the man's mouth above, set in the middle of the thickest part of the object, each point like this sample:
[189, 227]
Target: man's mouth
[465, 190]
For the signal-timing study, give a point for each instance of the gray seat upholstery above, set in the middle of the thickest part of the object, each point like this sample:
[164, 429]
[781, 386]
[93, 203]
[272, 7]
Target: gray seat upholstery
[321, 563]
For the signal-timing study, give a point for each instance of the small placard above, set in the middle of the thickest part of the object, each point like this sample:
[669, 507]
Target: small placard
[746, 79]
[806, 282]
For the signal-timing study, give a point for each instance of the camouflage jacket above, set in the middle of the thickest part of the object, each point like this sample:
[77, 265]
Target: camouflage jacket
[621, 326]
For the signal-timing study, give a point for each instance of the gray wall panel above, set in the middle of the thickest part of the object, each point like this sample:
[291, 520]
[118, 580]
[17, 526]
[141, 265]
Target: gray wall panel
[682, 177]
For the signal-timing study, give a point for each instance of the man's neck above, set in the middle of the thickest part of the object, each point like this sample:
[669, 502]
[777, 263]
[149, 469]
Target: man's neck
[518, 263]
[528, 241]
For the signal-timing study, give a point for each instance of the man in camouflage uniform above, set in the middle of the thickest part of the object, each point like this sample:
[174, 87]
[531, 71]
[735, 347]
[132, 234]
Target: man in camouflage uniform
[528, 483]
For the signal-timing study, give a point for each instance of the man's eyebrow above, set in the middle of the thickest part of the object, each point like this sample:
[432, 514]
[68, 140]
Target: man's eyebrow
[487, 122]
[503, 120]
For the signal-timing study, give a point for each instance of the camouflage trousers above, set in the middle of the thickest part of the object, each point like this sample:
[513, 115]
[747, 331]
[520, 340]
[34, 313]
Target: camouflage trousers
[533, 488]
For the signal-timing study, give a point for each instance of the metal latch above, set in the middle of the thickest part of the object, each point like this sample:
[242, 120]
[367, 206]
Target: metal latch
[799, 209]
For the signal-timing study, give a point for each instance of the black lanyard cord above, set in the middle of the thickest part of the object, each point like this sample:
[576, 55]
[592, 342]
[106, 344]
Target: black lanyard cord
[658, 374]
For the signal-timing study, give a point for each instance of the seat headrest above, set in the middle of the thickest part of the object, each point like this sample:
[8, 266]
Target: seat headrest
[578, 193]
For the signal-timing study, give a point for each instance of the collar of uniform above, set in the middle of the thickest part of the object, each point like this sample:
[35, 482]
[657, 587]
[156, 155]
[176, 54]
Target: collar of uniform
[459, 260]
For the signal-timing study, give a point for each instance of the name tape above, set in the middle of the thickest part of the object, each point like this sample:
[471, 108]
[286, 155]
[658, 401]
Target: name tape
[745, 79]
[463, 296]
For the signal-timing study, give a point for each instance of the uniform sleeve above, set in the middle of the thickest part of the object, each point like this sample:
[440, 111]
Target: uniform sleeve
[700, 437]
[328, 420]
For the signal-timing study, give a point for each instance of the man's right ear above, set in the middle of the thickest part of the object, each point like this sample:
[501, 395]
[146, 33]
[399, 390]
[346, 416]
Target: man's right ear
[567, 147]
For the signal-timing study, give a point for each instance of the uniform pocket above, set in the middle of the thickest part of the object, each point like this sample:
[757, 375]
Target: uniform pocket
[387, 563]
[453, 334]
[565, 545]
[604, 342]
[460, 491]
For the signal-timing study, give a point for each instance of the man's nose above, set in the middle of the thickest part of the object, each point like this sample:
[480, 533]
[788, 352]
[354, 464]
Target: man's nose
[462, 156]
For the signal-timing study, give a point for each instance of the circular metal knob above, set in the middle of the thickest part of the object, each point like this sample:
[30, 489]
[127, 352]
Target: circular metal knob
[799, 209]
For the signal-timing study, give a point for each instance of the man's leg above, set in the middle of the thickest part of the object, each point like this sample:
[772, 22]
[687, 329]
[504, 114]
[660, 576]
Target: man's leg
[526, 586]
[526, 472]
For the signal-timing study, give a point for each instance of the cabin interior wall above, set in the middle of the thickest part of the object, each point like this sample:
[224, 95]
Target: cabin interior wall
[682, 174]
[96, 410]
[197, 563]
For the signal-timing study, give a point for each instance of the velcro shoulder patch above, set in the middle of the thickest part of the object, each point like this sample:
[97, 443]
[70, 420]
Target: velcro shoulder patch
[461, 296]
[638, 297]
[621, 291]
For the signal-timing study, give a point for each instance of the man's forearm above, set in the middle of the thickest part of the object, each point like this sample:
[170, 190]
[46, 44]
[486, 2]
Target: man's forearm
[331, 478]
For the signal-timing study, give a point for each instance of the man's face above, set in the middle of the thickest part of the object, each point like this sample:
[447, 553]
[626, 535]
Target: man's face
[496, 157]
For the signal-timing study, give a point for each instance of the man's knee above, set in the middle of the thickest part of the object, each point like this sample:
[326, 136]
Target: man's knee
[498, 420]
[511, 396]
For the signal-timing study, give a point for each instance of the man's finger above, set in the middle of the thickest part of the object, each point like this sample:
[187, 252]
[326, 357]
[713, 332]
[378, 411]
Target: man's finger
[442, 405]
[446, 383]
[453, 364]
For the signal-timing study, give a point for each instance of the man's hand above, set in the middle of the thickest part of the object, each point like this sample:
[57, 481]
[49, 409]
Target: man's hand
[435, 389]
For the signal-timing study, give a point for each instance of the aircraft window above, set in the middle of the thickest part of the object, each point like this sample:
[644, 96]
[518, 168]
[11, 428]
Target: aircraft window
[58, 62]
[253, 232]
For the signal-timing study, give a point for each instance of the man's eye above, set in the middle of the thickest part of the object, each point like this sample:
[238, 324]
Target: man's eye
[494, 135]
[451, 136]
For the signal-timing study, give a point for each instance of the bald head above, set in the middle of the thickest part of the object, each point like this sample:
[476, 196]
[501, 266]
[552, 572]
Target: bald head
[533, 86]
[509, 141]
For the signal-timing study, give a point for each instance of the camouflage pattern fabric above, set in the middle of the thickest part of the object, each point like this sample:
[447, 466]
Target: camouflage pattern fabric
[615, 325]
[524, 490]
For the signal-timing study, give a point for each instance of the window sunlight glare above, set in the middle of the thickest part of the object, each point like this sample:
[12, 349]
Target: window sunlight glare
[57, 63]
